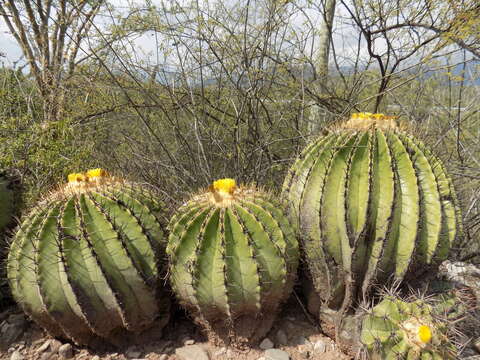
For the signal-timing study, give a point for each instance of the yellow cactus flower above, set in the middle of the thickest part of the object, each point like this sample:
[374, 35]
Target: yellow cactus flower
[96, 173]
[76, 177]
[424, 333]
[225, 185]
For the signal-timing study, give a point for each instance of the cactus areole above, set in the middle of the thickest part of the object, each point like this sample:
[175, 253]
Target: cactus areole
[233, 259]
[372, 204]
[85, 264]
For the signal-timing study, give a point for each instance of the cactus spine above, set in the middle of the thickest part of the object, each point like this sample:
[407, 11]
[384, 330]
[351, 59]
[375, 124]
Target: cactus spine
[395, 329]
[372, 203]
[233, 260]
[85, 262]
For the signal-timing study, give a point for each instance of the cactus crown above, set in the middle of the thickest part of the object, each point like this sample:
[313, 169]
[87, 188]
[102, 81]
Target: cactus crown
[225, 185]
[366, 120]
[82, 182]
[224, 192]
[416, 333]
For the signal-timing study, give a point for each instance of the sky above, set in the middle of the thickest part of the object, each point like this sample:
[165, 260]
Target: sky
[144, 46]
[8, 45]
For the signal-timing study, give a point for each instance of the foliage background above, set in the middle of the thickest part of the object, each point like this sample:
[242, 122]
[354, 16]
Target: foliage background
[235, 89]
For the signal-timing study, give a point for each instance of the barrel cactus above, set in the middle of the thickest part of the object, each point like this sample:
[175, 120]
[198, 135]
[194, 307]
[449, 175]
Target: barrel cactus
[395, 329]
[86, 263]
[373, 205]
[233, 260]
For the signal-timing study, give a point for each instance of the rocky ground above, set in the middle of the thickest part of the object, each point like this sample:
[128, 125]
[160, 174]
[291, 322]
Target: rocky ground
[293, 337]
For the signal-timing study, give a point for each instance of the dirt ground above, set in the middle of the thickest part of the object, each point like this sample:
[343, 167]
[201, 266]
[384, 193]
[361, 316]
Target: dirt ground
[293, 332]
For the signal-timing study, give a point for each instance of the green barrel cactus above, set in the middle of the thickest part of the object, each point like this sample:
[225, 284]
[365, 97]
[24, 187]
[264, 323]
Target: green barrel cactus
[372, 204]
[86, 263]
[395, 329]
[233, 261]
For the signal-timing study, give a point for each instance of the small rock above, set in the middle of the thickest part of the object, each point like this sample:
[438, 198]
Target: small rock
[301, 340]
[230, 354]
[18, 319]
[305, 354]
[162, 357]
[266, 344]
[11, 332]
[319, 347]
[220, 352]
[46, 356]
[189, 342]
[276, 354]
[16, 356]
[65, 351]
[261, 358]
[96, 357]
[133, 353]
[83, 353]
[476, 345]
[43, 347]
[55, 345]
[191, 352]
[281, 337]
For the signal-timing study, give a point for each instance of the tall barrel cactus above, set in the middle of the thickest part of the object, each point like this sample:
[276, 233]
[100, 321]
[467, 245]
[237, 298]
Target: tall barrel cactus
[86, 263]
[233, 261]
[372, 204]
[395, 329]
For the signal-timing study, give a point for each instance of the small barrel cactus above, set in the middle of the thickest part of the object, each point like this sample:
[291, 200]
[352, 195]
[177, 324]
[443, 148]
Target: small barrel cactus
[233, 261]
[372, 204]
[395, 329]
[86, 263]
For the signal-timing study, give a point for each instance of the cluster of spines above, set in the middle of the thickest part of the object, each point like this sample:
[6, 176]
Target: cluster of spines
[355, 195]
[254, 250]
[92, 257]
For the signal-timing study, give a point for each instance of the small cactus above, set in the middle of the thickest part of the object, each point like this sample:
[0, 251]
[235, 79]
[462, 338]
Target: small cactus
[233, 260]
[86, 262]
[373, 206]
[396, 330]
